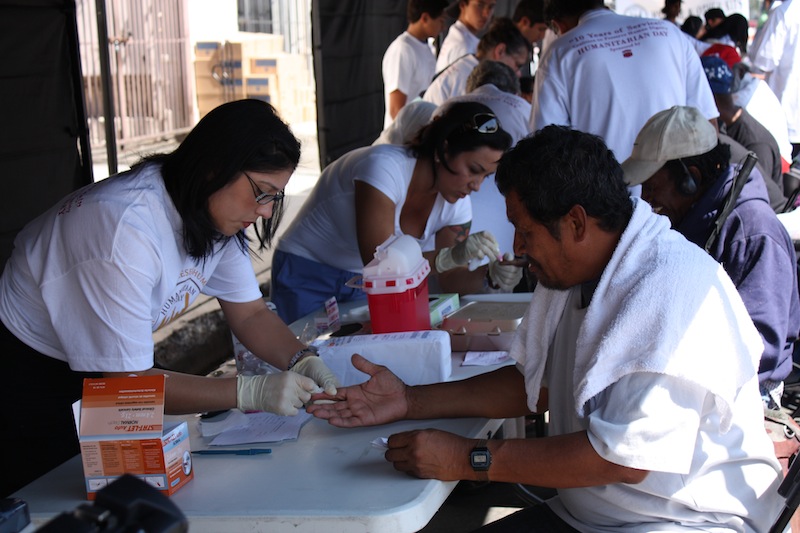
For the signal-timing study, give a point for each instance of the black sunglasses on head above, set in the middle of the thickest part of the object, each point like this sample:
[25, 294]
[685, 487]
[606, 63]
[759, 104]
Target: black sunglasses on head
[483, 123]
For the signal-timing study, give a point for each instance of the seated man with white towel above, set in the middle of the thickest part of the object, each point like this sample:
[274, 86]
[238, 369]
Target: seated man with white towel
[636, 341]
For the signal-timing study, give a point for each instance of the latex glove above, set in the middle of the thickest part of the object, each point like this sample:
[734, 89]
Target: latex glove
[506, 276]
[313, 367]
[282, 393]
[475, 246]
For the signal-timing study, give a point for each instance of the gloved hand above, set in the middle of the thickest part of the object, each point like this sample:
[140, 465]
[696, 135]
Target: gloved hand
[505, 276]
[475, 246]
[313, 367]
[282, 393]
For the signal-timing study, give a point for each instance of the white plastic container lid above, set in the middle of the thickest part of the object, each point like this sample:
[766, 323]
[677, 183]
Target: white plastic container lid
[398, 266]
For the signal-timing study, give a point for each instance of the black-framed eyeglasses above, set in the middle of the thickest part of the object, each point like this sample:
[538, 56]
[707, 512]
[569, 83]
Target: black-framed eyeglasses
[484, 123]
[263, 198]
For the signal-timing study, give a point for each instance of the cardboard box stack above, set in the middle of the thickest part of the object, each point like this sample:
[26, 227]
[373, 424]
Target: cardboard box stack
[206, 65]
[255, 67]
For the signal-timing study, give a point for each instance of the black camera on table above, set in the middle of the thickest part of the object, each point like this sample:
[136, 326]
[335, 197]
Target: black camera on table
[126, 505]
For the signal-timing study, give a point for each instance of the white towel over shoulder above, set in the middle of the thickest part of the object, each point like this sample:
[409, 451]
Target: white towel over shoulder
[662, 305]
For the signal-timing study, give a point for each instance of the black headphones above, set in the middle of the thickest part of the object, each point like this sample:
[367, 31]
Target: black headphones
[687, 185]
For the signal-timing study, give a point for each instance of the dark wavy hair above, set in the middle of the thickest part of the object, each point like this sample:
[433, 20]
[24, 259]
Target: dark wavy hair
[502, 31]
[734, 26]
[692, 25]
[453, 132]
[533, 10]
[557, 168]
[244, 135]
[416, 8]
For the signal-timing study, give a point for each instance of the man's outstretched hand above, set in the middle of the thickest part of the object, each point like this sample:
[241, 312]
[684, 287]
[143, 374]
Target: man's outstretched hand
[380, 400]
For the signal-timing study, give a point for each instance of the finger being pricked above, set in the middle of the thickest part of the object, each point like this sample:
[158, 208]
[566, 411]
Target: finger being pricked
[326, 407]
[339, 413]
[429, 454]
[324, 398]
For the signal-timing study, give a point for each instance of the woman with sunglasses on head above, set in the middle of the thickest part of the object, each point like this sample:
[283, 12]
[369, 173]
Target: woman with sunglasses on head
[90, 280]
[372, 193]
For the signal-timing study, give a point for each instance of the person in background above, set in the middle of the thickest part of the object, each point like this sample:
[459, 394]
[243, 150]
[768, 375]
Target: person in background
[774, 54]
[692, 26]
[502, 42]
[92, 278]
[611, 92]
[372, 193]
[672, 10]
[753, 94]
[408, 64]
[692, 29]
[742, 127]
[714, 17]
[733, 31]
[494, 73]
[463, 35]
[496, 86]
[637, 343]
[725, 52]
[686, 174]
[529, 18]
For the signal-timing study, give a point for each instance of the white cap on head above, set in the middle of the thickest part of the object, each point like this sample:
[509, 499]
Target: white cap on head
[674, 133]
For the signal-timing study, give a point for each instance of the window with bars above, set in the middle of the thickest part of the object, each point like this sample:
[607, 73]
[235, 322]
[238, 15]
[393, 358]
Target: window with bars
[255, 16]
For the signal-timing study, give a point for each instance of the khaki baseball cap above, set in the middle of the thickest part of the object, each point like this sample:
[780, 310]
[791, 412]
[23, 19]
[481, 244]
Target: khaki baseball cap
[674, 133]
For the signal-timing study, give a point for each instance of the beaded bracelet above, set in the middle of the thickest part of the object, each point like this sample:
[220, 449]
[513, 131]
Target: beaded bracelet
[311, 350]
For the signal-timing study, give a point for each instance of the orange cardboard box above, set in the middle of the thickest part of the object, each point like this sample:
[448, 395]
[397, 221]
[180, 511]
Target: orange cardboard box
[121, 430]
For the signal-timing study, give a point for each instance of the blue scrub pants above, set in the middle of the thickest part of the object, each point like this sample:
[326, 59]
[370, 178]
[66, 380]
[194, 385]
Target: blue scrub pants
[301, 286]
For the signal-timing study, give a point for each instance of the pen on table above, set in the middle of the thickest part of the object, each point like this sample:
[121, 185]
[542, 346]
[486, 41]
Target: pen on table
[249, 451]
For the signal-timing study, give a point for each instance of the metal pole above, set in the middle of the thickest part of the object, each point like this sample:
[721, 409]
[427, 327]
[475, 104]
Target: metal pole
[80, 98]
[105, 80]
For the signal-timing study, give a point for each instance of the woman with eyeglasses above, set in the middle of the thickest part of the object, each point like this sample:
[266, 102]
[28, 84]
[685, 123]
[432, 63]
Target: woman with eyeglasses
[91, 279]
[375, 192]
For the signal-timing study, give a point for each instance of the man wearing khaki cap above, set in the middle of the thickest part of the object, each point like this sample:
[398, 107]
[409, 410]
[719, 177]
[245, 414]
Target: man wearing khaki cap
[686, 174]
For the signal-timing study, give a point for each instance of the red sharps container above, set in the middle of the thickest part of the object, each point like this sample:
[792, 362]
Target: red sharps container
[396, 283]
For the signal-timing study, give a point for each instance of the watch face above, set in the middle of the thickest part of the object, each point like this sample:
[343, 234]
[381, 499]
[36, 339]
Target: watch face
[480, 459]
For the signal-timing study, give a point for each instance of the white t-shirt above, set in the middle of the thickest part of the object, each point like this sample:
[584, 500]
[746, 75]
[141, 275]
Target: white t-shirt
[611, 73]
[408, 66]
[91, 279]
[452, 82]
[758, 99]
[325, 228]
[698, 45]
[670, 427]
[458, 42]
[775, 51]
[488, 205]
